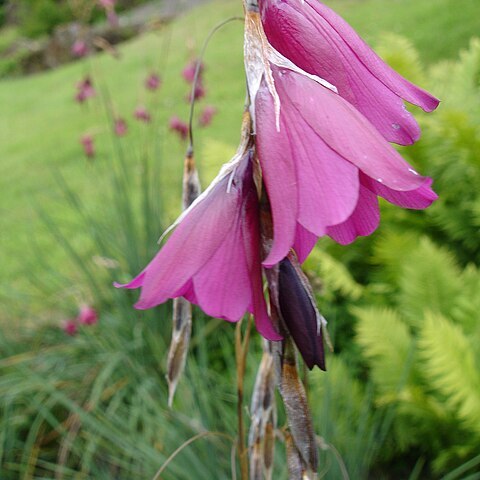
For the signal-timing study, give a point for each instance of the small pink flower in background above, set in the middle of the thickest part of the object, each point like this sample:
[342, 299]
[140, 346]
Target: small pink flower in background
[88, 146]
[320, 42]
[153, 82]
[142, 114]
[85, 90]
[80, 49]
[87, 316]
[198, 93]
[70, 327]
[120, 127]
[179, 126]
[188, 72]
[109, 7]
[207, 115]
[212, 258]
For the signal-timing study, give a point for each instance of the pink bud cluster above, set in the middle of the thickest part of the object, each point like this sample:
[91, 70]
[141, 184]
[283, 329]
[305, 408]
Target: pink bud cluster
[87, 316]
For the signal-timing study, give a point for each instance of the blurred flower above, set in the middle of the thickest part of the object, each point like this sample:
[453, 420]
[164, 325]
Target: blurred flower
[188, 72]
[320, 42]
[198, 92]
[179, 126]
[142, 114]
[206, 115]
[80, 49]
[212, 258]
[85, 90]
[88, 147]
[70, 327]
[120, 127]
[153, 82]
[109, 7]
[87, 315]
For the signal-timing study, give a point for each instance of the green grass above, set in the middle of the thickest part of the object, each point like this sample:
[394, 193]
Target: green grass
[40, 124]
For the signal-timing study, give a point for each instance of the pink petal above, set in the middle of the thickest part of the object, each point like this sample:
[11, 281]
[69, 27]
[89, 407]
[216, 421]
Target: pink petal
[304, 243]
[344, 130]
[362, 222]
[417, 199]
[279, 176]
[193, 243]
[223, 288]
[322, 43]
[251, 244]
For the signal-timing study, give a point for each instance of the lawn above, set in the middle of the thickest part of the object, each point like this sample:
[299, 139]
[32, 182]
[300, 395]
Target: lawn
[41, 124]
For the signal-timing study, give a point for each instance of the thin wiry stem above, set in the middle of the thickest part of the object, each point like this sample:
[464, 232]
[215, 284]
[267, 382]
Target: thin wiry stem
[197, 74]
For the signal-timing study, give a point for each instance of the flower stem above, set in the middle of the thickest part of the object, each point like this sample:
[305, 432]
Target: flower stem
[241, 350]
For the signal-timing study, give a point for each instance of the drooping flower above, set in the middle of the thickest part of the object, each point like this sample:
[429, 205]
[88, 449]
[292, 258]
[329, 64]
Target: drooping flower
[70, 327]
[198, 92]
[153, 81]
[206, 115]
[212, 258]
[142, 114]
[188, 72]
[179, 126]
[80, 49]
[120, 127]
[320, 42]
[85, 90]
[88, 146]
[109, 7]
[87, 315]
[323, 162]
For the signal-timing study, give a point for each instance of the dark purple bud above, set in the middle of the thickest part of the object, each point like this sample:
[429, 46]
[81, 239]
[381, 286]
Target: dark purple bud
[300, 315]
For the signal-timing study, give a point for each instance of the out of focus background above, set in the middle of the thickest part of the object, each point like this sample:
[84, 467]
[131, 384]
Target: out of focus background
[94, 96]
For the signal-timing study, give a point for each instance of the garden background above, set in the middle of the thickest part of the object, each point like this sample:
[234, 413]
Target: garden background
[401, 398]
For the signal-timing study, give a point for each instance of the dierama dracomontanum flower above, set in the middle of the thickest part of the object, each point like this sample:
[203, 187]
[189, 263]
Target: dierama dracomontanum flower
[322, 109]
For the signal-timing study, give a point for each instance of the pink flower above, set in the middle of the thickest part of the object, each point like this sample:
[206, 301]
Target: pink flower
[142, 114]
[80, 49]
[198, 93]
[320, 42]
[206, 115]
[120, 127]
[323, 162]
[326, 165]
[87, 316]
[188, 72]
[179, 126]
[70, 327]
[212, 258]
[109, 7]
[85, 90]
[88, 146]
[153, 82]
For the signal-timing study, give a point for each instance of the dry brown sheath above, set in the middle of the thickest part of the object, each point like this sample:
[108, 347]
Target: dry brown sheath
[182, 309]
